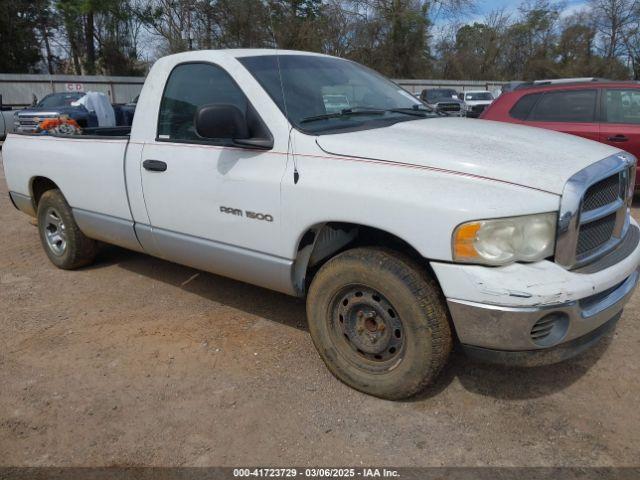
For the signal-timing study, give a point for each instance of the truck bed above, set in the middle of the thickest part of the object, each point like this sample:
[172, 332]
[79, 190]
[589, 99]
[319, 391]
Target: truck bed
[91, 175]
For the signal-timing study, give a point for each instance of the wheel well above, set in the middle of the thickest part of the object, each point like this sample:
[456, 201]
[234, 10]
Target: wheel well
[39, 185]
[321, 242]
[374, 237]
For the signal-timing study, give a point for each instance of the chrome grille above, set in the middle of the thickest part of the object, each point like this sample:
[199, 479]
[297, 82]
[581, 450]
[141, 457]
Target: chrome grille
[594, 211]
[29, 123]
[602, 193]
[449, 107]
[595, 234]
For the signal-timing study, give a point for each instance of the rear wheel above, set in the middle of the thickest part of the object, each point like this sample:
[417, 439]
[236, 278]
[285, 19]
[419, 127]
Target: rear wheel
[379, 322]
[63, 242]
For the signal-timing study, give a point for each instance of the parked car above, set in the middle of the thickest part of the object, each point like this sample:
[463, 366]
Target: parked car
[57, 104]
[475, 101]
[52, 106]
[404, 229]
[124, 112]
[605, 111]
[443, 100]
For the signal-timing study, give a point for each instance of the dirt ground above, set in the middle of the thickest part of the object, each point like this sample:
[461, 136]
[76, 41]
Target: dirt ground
[138, 361]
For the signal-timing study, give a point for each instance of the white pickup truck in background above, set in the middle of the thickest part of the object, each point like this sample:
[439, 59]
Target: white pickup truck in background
[516, 242]
[476, 101]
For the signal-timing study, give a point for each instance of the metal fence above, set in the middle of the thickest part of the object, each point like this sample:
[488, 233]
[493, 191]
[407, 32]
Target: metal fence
[18, 90]
[416, 86]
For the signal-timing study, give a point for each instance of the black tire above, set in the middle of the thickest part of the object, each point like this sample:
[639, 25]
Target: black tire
[71, 248]
[395, 291]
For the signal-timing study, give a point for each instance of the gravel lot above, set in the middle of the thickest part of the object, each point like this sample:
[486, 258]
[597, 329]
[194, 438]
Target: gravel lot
[138, 361]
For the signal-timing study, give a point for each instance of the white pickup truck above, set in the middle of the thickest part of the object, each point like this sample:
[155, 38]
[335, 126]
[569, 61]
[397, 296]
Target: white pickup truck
[404, 235]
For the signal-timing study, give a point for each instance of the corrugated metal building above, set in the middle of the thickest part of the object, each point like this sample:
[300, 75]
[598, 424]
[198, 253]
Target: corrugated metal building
[18, 90]
[416, 86]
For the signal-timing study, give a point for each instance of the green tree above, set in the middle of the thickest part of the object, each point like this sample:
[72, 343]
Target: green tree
[475, 53]
[577, 55]
[70, 12]
[18, 26]
[296, 24]
[405, 51]
[116, 32]
[237, 24]
[529, 44]
[101, 35]
[393, 38]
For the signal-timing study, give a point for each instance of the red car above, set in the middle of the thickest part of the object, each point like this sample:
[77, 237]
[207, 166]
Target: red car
[605, 111]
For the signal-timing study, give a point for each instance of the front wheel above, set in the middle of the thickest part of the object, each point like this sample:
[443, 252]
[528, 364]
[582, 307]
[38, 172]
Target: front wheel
[379, 322]
[63, 242]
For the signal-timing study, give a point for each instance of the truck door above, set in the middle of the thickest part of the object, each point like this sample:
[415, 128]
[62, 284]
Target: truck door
[211, 206]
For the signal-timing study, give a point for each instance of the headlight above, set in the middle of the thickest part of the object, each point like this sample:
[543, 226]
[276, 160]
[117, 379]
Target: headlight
[505, 240]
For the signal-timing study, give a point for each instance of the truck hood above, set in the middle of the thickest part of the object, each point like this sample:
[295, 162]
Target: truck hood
[64, 110]
[446, 100]
[526, 156]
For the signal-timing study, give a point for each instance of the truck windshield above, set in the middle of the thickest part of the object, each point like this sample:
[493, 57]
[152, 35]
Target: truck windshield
[59, 100]
[474, 96]
[324, 95]
[435, 95]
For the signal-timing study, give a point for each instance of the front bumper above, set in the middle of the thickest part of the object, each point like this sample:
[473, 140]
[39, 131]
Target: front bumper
[548, 356]
[508, 334]
[537, 313]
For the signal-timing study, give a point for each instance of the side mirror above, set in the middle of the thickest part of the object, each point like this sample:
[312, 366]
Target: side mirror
[221, 121]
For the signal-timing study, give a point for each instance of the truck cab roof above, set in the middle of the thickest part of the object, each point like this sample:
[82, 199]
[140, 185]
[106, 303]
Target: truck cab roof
[238, 53]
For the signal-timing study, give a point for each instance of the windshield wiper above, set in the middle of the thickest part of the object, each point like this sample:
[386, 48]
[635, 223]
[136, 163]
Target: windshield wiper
[349, 112]
[346, 112]
[416, 112]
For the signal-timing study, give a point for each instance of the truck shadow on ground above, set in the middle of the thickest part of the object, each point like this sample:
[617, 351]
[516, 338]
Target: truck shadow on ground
[515, 383]
[278, 307]
[488, 380]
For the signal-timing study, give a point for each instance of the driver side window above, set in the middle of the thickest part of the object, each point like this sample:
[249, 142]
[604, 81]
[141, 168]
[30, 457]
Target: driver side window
[189, 87]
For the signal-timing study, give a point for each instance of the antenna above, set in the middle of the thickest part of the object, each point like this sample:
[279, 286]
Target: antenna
[296, 174]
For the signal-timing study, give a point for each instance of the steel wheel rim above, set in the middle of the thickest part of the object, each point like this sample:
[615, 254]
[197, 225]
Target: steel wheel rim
[55, 232]
[367, 329]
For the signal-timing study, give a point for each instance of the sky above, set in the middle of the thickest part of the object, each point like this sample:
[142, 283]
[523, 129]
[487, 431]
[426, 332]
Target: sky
[486, 6]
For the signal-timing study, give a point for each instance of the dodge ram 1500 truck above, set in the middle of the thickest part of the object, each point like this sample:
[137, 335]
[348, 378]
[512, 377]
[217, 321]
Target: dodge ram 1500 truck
[518, 243]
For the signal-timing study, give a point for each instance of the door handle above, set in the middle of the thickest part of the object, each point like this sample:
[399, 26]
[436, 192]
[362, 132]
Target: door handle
[154, 165]
[618, 138]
